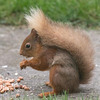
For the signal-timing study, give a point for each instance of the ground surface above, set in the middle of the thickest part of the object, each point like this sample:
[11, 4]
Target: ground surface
[10, 41]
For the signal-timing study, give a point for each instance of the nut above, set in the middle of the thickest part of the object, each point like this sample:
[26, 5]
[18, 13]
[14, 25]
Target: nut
[5, 81]
[21, 78]
[17, 95]
[6, 89]
[1, 87]
[1, 82]
[21, 87]
[26, 88]
[18, 80]
[16, 86]
[8, 84]
[11, 89]
[11, 80]
[2, 91]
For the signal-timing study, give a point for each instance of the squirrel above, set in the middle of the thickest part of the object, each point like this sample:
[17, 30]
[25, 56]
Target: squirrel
[66, 52]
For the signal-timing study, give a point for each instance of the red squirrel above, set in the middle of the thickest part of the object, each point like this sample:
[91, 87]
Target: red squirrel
[66, 52]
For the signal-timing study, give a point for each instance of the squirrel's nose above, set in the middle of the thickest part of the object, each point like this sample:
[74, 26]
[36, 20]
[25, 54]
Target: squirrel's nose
[21, 52]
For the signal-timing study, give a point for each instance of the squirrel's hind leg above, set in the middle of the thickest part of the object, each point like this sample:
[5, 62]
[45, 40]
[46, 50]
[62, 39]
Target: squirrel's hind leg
[48, 84]
[64, 78]
[46, 94]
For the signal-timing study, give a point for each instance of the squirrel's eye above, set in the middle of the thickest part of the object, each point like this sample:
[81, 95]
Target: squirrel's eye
[28, 45]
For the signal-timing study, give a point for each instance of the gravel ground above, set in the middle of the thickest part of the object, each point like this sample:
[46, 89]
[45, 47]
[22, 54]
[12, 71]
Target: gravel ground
[10, 42]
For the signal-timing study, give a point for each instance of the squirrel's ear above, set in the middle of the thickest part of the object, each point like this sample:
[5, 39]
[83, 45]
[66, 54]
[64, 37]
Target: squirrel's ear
[34, 33]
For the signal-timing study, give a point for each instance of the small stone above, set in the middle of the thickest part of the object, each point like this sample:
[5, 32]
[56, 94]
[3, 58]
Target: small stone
[5, 66]
[31, 94]
[16, 73]
[11, 99]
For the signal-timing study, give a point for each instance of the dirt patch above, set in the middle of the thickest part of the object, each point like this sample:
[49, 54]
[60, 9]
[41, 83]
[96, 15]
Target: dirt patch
[10, 41]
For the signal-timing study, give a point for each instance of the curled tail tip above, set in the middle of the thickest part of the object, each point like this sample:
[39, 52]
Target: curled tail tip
[34, 12]
[35, 18]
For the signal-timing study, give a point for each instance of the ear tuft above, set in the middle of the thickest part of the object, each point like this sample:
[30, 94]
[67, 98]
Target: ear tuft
[36, 19]
[33, 31]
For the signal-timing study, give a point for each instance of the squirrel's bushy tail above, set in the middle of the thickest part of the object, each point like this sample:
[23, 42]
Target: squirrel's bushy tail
[73, 40]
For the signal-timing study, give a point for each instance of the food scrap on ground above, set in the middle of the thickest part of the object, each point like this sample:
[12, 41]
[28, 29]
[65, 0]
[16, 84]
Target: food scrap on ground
[17, 95]
[11, 85]
[21, 78]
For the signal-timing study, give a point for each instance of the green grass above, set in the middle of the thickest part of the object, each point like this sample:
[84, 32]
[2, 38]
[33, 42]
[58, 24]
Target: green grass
[75, 12]
[65, 96]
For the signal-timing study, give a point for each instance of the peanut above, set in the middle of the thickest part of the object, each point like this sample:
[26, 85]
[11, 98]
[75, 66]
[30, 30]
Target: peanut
[17, 95]
[16, 86]
[18, 80]
[26, 88]
[21, 78]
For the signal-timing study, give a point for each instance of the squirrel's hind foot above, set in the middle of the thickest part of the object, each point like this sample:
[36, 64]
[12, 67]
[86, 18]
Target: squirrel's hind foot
[48, 84]
[46, 94]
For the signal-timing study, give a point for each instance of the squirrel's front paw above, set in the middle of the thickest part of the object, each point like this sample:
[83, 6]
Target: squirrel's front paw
[23, 64]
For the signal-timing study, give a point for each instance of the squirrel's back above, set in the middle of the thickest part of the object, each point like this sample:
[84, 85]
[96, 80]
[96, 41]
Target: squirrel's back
[73, 40]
